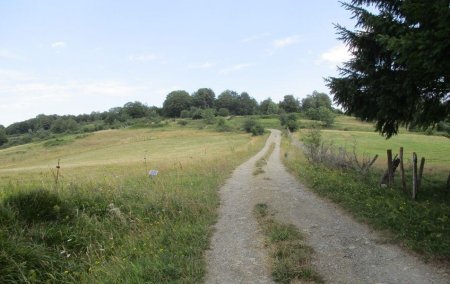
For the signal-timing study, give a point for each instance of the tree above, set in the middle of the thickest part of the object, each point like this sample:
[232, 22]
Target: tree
[135, 109]
[175, 102]
[400, 72]
[228, 99]
[268, 107]
[316, 100]
[203, 98]
[3, 137]
[246, 105]
[290, 104]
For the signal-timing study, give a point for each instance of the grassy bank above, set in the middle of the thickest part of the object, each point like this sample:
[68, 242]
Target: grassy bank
[422, 225]
[106, 221]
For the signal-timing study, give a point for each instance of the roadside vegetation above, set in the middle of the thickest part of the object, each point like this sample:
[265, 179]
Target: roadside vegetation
[291, 257]
[106, 220]
[421, 225]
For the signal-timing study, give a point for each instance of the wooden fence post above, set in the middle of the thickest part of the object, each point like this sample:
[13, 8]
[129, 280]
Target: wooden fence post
[419, 178]
[448, 181]
[414, 177]
[402, 170]
[57, 173]
[390, 171]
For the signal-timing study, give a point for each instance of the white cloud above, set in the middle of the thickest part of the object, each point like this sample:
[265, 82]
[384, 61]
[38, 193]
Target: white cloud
[145, 57]
[335, 55]
[234, 68]
[25, 95]
[58, 44]
[283, 42]
[6, 54]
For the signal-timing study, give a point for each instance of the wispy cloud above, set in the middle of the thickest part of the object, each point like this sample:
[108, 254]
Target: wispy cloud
[235, 68]
[335, 55]
[6, 54]
[23, 95]
[283, 42]
[144, 57]
[255, 37]
[58, 44]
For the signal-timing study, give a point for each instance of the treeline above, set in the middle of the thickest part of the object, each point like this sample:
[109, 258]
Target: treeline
[201, 104]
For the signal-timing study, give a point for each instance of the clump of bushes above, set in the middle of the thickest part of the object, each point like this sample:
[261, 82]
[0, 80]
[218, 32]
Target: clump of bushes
[222, 125]
[289, 121]
[317, 151]
[254, 127]
[182, 122]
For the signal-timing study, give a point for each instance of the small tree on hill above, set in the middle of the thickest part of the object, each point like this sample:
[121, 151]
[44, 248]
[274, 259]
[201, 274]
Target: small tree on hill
[290, 104]
[175, 102]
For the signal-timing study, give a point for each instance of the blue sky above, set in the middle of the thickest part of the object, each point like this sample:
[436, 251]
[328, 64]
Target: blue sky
[72, 57]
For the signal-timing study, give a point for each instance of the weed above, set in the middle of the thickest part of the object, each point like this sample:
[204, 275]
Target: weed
[291, 257]
[263, 161]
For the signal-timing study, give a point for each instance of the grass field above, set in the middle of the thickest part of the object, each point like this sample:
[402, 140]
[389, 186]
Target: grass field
[107, 221]
[422, 225]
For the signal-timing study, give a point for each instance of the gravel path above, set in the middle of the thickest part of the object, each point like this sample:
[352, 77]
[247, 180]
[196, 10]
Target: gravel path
[345, 250]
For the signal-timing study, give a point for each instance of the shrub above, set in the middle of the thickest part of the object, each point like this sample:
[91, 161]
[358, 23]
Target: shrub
[258, 129]
[182, 122]
[249, 124]
[292, 125]
[223, 112]
[222, 125]
[185, 113]
[289, 121]
[208, 116]
[38, 206]
[252, 126]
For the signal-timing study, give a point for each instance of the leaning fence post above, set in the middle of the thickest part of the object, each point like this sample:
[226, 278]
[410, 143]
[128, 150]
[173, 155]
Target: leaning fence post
[419, 178]
[402, 170]
[390, 171]
[414, 177]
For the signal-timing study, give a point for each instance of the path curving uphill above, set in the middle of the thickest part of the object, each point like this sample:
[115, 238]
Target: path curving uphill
[345, 250]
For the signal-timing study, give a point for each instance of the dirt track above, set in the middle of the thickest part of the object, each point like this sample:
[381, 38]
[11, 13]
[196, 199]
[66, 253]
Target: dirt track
[345, 251]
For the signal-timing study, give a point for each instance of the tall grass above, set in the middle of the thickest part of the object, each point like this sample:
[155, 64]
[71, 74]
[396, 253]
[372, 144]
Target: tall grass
[422, 225]
[107, 221]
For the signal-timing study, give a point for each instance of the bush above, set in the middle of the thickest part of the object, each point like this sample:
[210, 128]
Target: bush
[292, 125]
[182, 122]
[289, 121]
[222, 125]
[252, 126]
[208, 116]
[258, 129]
[223, 112]
[185, 113]
[38, 206]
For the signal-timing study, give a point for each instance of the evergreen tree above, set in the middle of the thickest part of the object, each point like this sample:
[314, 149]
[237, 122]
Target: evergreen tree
[400, 70]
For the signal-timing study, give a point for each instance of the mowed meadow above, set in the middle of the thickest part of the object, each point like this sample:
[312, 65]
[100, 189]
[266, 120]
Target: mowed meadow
[106, 220]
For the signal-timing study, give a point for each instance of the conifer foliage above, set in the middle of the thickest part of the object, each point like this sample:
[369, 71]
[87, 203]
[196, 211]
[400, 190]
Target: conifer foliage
[399, 73]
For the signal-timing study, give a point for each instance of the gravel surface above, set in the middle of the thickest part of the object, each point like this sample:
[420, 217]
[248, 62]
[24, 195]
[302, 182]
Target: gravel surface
[345, 250]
